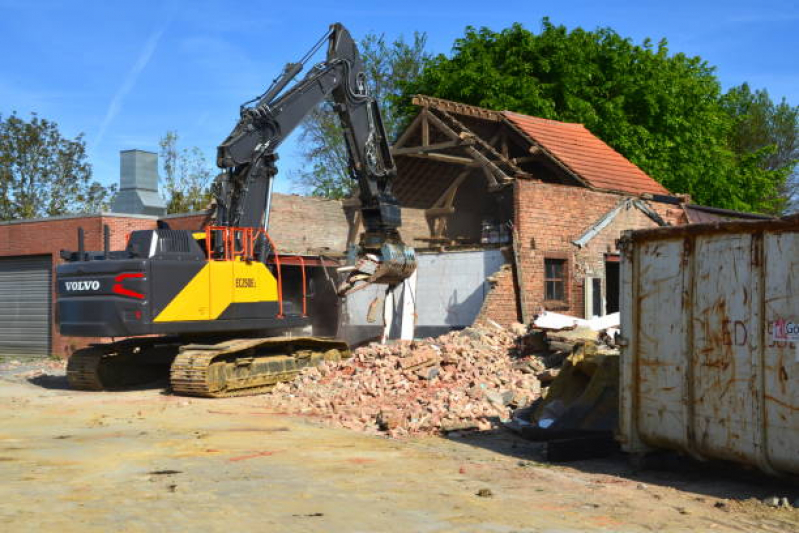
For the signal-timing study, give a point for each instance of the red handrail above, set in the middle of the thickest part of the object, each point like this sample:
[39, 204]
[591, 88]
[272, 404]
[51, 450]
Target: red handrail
[304, 298]
[279, 275]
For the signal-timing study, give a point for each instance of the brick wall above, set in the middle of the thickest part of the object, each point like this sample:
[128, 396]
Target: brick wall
[501, 304]
[304, 224]
[300, 224]
[549, 217]
[414, 227]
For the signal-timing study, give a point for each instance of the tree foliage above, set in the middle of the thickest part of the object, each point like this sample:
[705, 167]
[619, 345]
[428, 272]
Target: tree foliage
[769, 132]
[389, 66]
[43, 173]
[186, 176]
[662, 111]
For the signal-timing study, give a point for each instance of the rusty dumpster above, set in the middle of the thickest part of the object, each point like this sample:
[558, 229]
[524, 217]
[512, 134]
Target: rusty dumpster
[710, 342]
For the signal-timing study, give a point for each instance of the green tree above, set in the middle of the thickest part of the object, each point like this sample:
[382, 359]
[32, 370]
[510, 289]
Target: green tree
[388, 66]
[663, 111]
[43, 173]
[187, 176]
[767, 132]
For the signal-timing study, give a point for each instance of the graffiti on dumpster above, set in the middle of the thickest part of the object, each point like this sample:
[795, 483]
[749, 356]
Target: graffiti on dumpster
[734, 333]
[785, 333]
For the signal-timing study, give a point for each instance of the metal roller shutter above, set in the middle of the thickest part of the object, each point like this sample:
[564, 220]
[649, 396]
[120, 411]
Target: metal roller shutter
[25, 304]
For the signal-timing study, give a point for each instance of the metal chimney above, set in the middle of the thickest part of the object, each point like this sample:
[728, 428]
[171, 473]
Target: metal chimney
[138, 184]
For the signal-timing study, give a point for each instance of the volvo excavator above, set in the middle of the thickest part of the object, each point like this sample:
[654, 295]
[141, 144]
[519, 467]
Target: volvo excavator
[223, 307]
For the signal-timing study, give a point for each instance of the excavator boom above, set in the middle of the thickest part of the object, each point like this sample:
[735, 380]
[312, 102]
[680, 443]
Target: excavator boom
[248, 156]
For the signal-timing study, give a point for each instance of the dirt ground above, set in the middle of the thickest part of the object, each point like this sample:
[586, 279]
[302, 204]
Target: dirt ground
[147, 461]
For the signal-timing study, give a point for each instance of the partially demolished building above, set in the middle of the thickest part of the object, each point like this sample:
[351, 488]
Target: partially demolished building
[551, 194]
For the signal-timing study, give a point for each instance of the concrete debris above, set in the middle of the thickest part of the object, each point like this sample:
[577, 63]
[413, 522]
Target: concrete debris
[555, 321]
[461, 381]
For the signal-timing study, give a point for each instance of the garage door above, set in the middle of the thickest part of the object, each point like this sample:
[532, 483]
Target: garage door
[25, 294]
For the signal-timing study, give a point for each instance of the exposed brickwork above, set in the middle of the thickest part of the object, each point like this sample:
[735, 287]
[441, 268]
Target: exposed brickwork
[414, 227]
[501, 304]
[549, 217]
[191, 221]
[302, 223]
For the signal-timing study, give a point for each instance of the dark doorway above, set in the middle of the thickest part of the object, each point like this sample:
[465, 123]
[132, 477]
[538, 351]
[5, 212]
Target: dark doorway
[596, 297]
[612, 286]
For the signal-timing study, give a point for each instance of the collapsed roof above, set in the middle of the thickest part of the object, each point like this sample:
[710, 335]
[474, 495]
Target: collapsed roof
[448, 142]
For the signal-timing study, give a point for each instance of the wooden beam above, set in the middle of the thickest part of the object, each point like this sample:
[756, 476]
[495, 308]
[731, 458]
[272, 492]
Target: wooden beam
[425, 128]
[476, 154]
[445, 158]
[354, 228]
[409, 130]
[527, 159]
[490, 166]
[447, 198]
[457, 107]
[446, 130]
[435, 212]
[492, 180]
[426, 148]
[520, 289]
[480, 142]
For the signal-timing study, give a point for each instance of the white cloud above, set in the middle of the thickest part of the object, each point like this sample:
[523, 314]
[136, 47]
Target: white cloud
[130, 80]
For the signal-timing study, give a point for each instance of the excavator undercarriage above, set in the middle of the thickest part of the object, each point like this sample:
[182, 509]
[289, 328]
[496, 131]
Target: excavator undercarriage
[232, 367]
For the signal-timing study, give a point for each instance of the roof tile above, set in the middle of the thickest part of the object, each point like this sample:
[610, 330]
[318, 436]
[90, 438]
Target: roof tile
[586, 155]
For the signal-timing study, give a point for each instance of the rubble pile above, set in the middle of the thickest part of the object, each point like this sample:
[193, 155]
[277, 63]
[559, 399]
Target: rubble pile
[464, 380]
[32, 368]
[581, 378]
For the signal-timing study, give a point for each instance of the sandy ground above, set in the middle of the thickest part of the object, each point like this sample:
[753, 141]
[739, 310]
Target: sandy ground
[147, 461]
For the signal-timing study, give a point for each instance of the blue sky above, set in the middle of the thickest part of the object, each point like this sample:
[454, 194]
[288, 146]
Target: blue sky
[123, 73]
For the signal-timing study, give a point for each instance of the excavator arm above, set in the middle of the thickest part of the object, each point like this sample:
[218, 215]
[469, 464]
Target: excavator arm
[248, 155]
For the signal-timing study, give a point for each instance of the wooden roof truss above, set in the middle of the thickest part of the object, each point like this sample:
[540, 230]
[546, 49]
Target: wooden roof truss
[441, 137]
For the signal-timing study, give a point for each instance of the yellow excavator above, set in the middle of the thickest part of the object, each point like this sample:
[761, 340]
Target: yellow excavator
[223, 307]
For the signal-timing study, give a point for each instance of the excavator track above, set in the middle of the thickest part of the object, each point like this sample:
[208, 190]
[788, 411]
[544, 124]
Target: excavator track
[243, 367]
[120, 365]
[83, 369]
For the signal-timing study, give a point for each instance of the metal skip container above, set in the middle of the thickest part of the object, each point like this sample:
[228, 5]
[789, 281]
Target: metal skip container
[710, 335]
